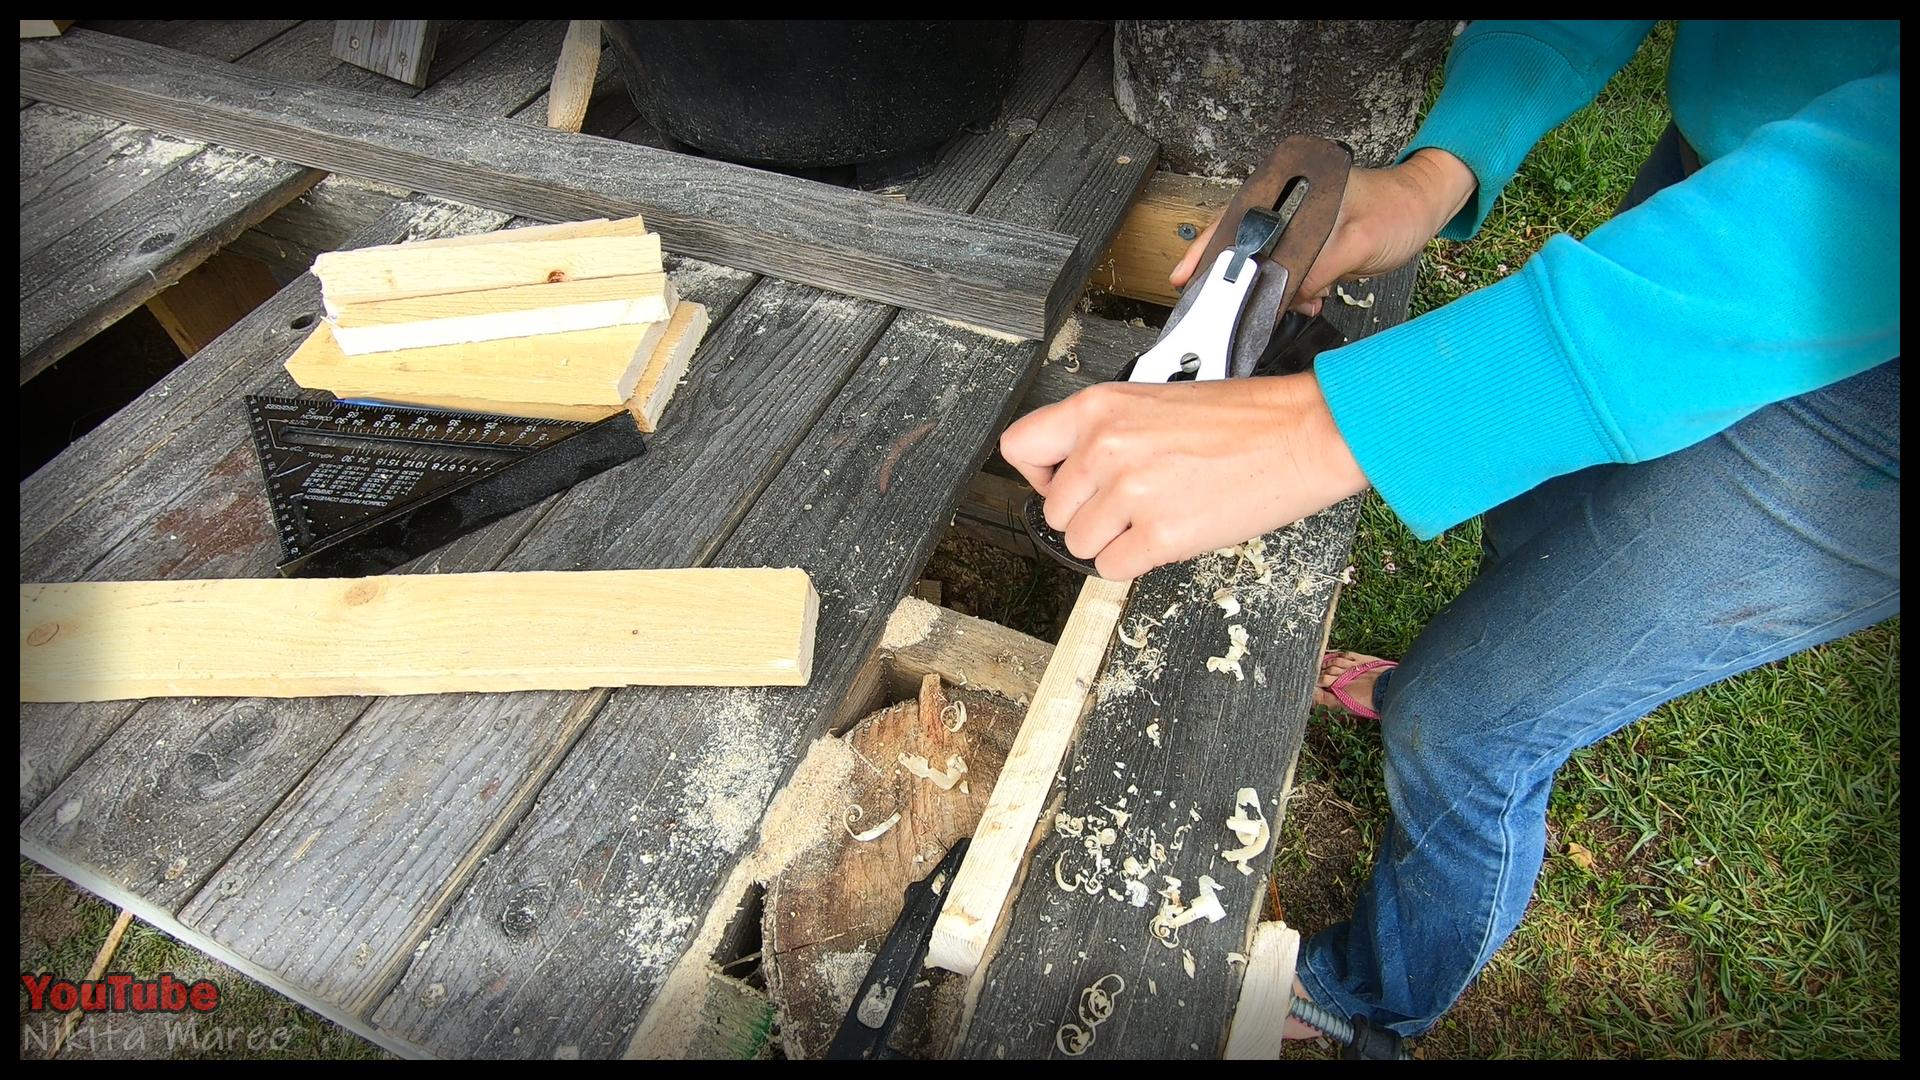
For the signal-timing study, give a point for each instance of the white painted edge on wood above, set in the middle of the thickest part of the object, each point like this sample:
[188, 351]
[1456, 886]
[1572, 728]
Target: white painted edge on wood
[984, 884]
[1266, 994]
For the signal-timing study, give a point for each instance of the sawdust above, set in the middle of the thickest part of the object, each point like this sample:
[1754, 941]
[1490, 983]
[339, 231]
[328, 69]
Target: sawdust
[997, 335]
[727, 792]
[808, 810]
[844, 972]
[1064, 342]
[910, 624]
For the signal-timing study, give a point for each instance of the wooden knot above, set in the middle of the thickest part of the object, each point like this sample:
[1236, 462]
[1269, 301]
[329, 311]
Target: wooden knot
[43, 633]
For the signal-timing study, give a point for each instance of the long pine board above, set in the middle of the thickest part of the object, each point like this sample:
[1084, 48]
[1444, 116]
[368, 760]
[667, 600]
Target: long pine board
[991, 273]
[415, 634]
[403, 270]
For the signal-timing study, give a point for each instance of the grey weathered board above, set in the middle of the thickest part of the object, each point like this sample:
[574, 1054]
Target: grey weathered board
[1215, 735]
[137, 226]
[235, 764]
[611, 874]
[397, 48]
[1000, 276]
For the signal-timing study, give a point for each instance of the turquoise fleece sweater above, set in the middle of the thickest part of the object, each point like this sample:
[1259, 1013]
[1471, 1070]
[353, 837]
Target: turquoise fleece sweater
[1772, 271]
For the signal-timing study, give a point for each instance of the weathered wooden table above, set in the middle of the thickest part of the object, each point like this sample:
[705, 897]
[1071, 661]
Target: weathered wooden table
[518, 874]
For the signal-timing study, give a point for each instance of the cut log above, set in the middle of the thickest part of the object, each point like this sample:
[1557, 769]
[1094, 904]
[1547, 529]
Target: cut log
[422, 634]
[827, 915]
[398, 271]
[489, 315]
[999, 848]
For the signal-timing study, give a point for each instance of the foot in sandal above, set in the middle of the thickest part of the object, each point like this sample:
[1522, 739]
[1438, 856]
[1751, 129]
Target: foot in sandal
[1347, 680]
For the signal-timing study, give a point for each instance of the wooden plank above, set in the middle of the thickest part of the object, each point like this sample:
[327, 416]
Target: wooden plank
[570, 376]
[160, 807]
[211, 298]
[505, 260]
[999, 849]
[573, 76]
[591, 369]
[409, 270]
[397, 48]
[170, 229]
[924, 639]
[1171, 211]
[433, 634]
[166, 488]
[855, 505]
[1266, 995]
[1178, 742]
[557, 307]
[164, 231]
[1000, 276]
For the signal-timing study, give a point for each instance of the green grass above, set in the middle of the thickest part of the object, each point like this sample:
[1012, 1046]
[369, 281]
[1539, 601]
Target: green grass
[1745, 895]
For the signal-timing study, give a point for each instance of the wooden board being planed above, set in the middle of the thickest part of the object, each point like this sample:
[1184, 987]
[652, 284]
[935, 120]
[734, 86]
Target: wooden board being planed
[398, 271]
[418, 322]
[423, 634]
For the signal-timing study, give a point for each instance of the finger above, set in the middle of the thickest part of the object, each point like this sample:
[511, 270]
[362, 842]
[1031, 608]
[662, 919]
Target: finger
[1073, 486]
[1038, 442]
[1309, 308]
[1097, 523]
[1183, 270]
[1136, 551]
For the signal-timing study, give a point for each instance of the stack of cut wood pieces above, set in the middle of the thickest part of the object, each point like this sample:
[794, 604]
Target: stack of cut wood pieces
[561, 322]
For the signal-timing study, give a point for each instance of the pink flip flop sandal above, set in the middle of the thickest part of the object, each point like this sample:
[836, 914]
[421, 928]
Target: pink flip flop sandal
[1338, 688]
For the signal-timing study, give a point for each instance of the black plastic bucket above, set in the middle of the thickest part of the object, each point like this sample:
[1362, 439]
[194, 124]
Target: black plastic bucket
[806, 94]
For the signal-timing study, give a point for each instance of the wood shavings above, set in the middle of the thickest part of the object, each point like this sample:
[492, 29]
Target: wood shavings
[1236, 649]
[1095, 1008]
[1060, 878]
[954, 715]
[1228, 602]
[1173, 914]
[1350, 301]
[1153, 734]
[1252, 831]
[1069, 826]
[1237, 958]
[867, 836]
[944, 779]
[1186, 961]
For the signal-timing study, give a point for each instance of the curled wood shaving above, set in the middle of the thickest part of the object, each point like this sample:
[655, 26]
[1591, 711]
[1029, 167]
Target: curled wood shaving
[1153, 734]
[1237, 958]
[1350, 301]
[944, 780]
[954, 715]
[1236, 648]
[1228, 602]
[1095, 1008]
[1252, 831]
[1186, 961]
[1069, 826]
[867, 836]
[1060, 879]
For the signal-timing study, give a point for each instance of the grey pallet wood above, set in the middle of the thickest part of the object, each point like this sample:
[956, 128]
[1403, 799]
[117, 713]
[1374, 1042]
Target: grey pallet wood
[611, 872]
[999, 276]
[83, 185]
[153, 234]
[1212, 735]
[397, 48]
[166, 448]
[859, 506]
[1080, 163]
[771, 374]
[338, 207]
[171, 792]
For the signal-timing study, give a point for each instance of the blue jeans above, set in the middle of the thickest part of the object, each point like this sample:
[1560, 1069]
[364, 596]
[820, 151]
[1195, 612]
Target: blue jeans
[1602, 594]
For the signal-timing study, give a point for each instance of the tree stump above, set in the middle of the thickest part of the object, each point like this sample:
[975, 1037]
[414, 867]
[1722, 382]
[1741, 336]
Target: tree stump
[1220, 94]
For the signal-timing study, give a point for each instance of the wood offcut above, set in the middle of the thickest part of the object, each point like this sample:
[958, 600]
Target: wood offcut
[415, 634]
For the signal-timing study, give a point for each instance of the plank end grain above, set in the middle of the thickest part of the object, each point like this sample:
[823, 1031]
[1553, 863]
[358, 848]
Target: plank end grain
[1266, 994]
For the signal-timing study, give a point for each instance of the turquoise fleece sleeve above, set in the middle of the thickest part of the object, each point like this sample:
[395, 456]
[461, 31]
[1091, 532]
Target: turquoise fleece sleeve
[1507, 84]
[1773, 271]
